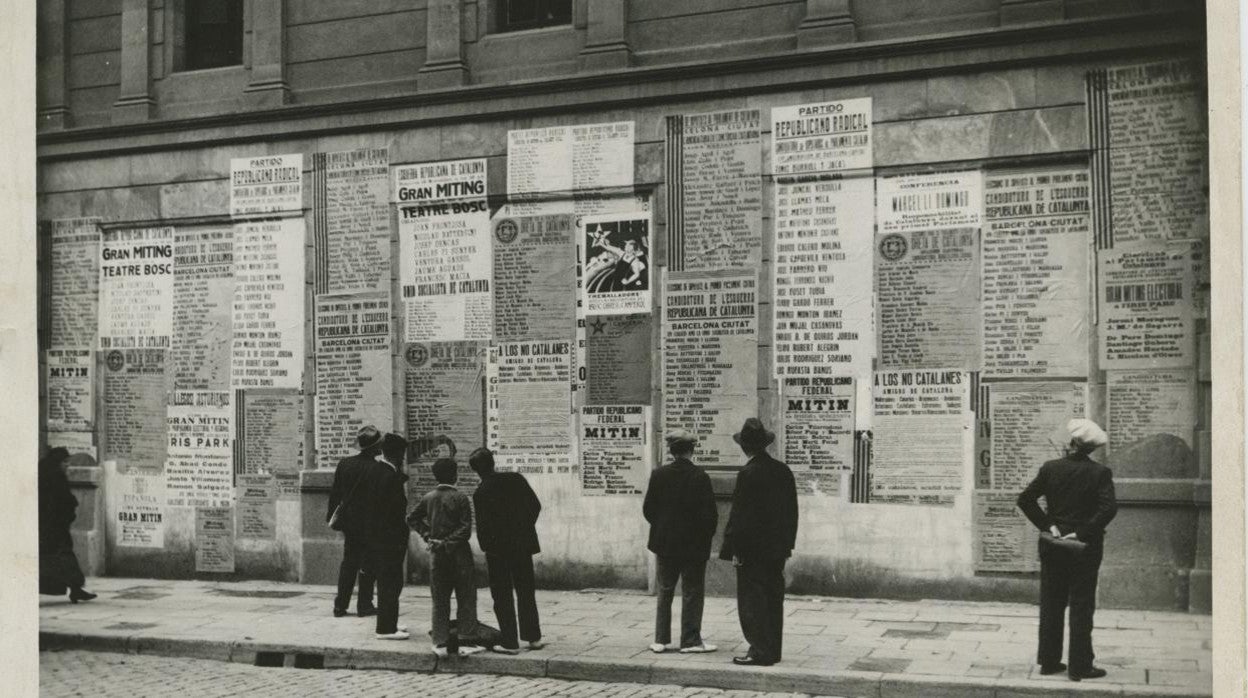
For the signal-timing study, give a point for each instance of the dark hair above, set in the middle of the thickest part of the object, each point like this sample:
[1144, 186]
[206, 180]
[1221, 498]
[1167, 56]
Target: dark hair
[481, 461]
[445, 471]
[52, 460]
[680, 447]
[393, 447]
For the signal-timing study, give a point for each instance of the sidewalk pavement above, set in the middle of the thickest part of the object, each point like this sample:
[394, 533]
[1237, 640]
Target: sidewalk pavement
[832, 646]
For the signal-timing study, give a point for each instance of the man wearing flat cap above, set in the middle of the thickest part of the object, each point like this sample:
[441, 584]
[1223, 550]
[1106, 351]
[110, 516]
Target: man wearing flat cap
[680, 506]
[761, 532]
[1079, 498]
[346, 497]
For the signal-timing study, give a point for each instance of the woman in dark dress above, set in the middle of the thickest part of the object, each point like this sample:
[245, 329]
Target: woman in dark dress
[58, 568]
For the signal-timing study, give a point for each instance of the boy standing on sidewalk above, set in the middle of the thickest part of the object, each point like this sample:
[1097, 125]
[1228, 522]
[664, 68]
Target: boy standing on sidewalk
[443, 518]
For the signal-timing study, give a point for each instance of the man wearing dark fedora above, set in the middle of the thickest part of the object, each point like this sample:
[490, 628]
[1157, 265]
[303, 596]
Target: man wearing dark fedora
[759, 537]
[347, 499]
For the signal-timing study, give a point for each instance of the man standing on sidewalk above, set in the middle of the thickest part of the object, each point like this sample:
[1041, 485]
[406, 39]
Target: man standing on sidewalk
[386, 532]
[759, 536]
[1079, 495]
[507, 511]
[680, 507]
[345, 493]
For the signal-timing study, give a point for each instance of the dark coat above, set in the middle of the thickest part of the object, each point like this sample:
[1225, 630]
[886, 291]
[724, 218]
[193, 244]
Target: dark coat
[58, 507]
[385, 506]
[763, 521]
[349, 486]
[507, 511]
[680, 506]
[1079, 494]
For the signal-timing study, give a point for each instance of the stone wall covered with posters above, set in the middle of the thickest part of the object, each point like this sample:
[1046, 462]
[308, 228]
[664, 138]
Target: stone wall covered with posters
[914, 281]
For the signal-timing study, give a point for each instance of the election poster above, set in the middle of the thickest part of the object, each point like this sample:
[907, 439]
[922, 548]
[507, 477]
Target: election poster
[1146, 403]
[255, 509]
[71, 390]
[1005, 541]
[445, 252]
[353, 371]
[136, 288]
[265, 185]
[719, 221]
[1036, 283]
[444, 384]
[534, 275]
[710, 359]
[809, 139]
[1028, 422]
[134, 408]
[203, 297]
[138, 507]
[817, 415]
[618, 359]
[72, 282]
[269, 426]
[529, 423]
[268, 309]
[615, 449]
[615, 263]
[822, 260]
[199, 467]
[353, 249]
[927, 270]
[1158, 144]
[1146, 311]
[567, 158]
[922, 435]
[214, 539]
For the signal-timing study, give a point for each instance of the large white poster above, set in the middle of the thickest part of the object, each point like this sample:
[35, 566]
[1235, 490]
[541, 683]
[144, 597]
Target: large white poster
[199, 467]
[445, 253]
[615, 449]
[137, 505]
[1147, 312]
[824, 137]
[922, 434]
[1029, 427]
[266, 184]
[72, 279]
[268, 310]
[136, 288]
[354, 371]
[528, 414]
[71, 390]
[561, 159]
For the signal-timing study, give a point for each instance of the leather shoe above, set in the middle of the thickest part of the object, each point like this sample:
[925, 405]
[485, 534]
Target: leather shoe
[1089, 673]
[750, 660]
[76, 595]
[1049, 669]
[338, 613]
[366, 611]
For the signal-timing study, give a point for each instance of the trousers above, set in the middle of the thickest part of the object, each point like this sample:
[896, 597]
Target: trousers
[692, 576]
[760, 606]
[513, 574]
[451, 571]
[386, 564]
[354, 548]
[1068, 579]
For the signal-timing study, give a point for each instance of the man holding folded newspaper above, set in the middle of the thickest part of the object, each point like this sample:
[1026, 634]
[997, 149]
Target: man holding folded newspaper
[1079, 498]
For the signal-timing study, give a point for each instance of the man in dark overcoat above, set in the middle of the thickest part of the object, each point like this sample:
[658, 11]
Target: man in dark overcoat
[507, 511]
[345, 491]
[1079, 504]
[759, 537]
[680, 507]
[386, 532]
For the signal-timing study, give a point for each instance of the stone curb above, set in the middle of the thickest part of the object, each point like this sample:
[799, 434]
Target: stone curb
[847, 684]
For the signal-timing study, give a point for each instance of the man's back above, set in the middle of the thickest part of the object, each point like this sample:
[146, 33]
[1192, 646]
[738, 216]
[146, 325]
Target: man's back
[1078, 493]
[763, 522]
[443, 514]
[347, 489]
[507, 511]
[384, 504]
[680, 506]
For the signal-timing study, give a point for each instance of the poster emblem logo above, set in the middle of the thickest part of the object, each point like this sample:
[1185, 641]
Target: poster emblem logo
[893, 247]
[115, 360]
[506, 230]
[416, 355]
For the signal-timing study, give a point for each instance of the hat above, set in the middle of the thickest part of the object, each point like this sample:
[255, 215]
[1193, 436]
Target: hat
[753, 433]
[1086, 432]
[679, 436]
[368, 437]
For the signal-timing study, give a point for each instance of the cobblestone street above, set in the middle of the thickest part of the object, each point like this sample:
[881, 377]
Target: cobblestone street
[103, 674]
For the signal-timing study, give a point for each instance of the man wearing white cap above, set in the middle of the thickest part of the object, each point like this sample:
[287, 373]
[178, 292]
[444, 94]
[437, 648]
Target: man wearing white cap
[680, 507]
[1079, 497]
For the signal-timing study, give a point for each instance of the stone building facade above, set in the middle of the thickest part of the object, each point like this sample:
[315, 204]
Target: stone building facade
[135, 135]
